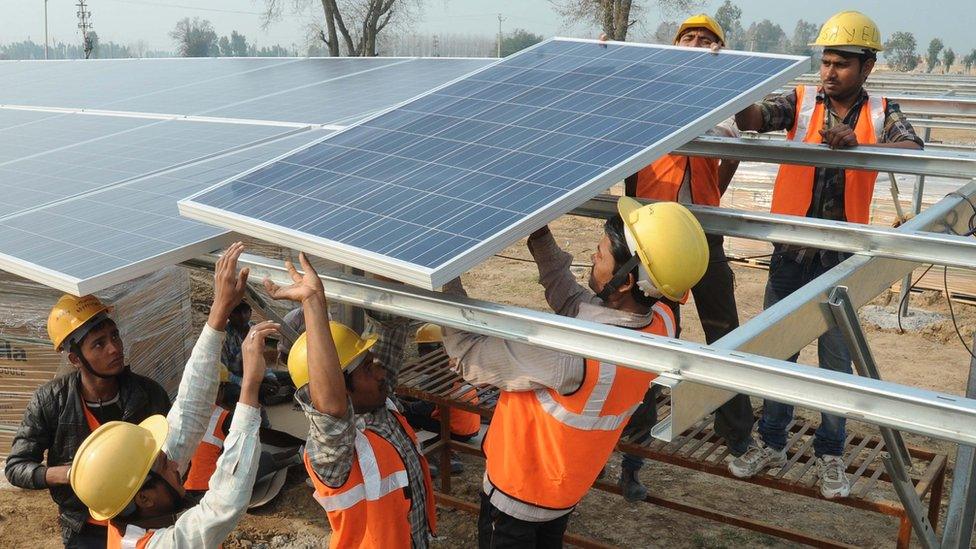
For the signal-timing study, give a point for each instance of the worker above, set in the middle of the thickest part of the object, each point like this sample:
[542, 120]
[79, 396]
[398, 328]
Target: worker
[696, 180]
[130, 474]
[65, 410]
[361, 454]
[203, 464]
[559, 415]
[423, 414]
[840, 114]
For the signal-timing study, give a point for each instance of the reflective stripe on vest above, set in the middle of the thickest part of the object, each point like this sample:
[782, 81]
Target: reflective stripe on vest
[214, 429]
[133, 538]
[546, 449]
[793, 190]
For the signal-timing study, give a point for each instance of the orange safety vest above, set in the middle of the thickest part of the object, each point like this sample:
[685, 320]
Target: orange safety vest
[371, 509]
[793, 190]
[204, 461]
[133, 537]
[463, 423]
[662, 179]
[546, 449]
[93, 424]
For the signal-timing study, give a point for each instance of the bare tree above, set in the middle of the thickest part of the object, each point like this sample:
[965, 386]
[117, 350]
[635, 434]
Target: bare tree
[349, 25]
[616, 17]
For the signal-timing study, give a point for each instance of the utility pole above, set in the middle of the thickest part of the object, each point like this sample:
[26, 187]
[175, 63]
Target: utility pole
[45, 29]
[84, 23]
[499, 48]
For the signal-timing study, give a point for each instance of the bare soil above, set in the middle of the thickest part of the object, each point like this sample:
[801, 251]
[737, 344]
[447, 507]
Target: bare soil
[932, 358]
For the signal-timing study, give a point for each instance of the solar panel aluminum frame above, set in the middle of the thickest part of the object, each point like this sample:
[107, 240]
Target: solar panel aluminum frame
[84, 286]
[432, 278]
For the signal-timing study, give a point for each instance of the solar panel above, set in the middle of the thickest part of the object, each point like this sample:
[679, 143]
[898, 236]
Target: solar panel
[56, 157]
[426, 190]
[110, 236]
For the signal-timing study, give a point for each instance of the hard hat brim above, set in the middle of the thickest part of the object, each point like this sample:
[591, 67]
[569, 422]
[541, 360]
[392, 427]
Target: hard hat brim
[364, 346]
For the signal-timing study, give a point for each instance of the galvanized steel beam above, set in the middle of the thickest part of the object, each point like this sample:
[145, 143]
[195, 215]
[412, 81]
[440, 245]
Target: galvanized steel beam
[888, 404]
[941, 163]
[918, 246]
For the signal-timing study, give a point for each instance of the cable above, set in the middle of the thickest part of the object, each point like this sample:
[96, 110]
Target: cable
[952, 312]
[524, 260]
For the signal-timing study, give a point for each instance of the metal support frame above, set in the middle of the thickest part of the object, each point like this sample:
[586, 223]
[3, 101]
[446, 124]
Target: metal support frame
[911, 243]
[961, 514]
[939, 163]
[912, 409]
[898, 461]
[917, 194]
[785, 328]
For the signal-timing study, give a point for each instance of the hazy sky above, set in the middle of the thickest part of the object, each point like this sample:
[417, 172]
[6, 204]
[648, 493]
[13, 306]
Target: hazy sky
[127, 21]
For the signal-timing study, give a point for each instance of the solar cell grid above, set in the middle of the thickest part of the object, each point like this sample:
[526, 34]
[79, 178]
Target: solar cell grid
[496, 153]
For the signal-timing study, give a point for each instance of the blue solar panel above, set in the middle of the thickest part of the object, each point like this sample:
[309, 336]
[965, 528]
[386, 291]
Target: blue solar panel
[426, 190]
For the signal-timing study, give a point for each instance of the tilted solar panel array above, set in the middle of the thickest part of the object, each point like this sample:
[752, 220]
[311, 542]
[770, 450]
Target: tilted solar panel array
[427, 190]
[90, 180]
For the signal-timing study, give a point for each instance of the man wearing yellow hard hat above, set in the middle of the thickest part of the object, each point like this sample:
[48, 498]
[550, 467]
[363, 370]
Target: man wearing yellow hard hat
[102, 389]
[559, 415]
[839, 114]
[361, 455]
[697, 180]
[130, 475]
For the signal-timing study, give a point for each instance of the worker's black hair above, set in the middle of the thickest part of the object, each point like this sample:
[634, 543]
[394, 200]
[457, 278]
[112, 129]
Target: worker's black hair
[347, 377]
[614, 229]
[862, 57]
[242, 307]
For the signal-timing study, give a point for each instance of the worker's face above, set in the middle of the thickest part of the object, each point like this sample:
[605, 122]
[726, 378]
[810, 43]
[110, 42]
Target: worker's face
[842, 77]
[102, 348]
[165, 495]
[369, 387]
[603, 265]
[698, 38]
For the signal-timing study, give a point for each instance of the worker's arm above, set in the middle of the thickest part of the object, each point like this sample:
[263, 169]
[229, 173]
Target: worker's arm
[324, 399]
[25, 464]
[898, 133]
[749, 119]
[726, 166]
[630, 185]
[208, 523]
[392, 331]
[563, 293]
[774, 113]
[190, 414]
[509, 365]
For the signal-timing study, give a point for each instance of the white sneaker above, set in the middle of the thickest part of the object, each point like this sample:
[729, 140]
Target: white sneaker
[833, 477]
[756, 459]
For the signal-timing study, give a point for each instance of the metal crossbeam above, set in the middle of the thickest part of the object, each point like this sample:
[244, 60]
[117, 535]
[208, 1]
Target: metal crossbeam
[792, 323]
[880, 159]
[918, 246]
[917, 410]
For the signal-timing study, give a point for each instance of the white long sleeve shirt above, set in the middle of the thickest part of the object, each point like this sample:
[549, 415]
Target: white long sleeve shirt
[208, 523]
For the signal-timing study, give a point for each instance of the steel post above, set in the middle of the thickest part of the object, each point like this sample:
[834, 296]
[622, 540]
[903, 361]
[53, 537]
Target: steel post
[962, 500]
[906, 283]
[898, 461]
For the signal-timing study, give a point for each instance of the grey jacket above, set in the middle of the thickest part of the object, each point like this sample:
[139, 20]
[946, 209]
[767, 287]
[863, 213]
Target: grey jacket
[54, 422]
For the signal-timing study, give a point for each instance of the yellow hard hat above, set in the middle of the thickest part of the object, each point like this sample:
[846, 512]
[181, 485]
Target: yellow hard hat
[429, 333]
[224, 373]
[849, 31]
[669, 241]
[701, 21]
[111, 464]
[349, 346]
[71, 313]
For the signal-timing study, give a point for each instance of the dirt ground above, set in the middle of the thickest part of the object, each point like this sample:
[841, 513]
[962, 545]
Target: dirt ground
[931, 358]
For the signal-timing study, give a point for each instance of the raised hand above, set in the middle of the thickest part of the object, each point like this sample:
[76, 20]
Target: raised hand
[305, 285]
[229, 286]
[252, 351]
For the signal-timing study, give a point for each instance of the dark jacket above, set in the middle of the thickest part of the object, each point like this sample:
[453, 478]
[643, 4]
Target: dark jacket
[55, 422]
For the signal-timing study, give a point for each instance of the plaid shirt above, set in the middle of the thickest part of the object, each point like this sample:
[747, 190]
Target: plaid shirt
[330, 439]
[779, 113]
